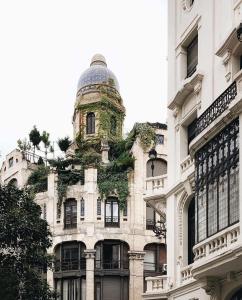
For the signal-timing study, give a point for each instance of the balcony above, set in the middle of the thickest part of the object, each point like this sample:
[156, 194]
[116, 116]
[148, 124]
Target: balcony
[70, 265]
[157, 287]
[111, 264]
[219, 254]
[186, 274]
[155, 184]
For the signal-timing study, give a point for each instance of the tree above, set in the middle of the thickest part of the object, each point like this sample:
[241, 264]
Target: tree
[24, 145]
[24, 239]
[45, 139]
[35, 137]
[64, 143]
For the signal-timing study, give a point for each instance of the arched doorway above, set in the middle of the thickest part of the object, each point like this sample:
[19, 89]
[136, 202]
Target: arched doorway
[191, 230]
[237, 295]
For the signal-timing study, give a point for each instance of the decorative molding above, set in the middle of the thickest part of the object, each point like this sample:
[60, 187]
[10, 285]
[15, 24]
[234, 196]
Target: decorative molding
[136, 255]
[90, 253]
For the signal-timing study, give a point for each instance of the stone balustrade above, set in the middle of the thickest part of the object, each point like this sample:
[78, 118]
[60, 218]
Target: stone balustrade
[186, 163]
[217, 243]
[156, 183]
[157, 284]
[186, 274]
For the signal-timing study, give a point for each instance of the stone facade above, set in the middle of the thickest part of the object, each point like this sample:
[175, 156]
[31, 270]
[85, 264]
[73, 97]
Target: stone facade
[94, 260]
[205, 102]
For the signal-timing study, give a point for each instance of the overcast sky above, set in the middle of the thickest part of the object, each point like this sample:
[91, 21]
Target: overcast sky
[46, 45]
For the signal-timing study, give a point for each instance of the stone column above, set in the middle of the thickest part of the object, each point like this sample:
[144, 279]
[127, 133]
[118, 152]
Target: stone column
[136, 269]
[240, 174]
[90, 256]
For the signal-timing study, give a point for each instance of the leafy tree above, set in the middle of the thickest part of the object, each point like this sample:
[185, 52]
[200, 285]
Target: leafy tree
[45, 139]
[35, 137]
[24, 239]
[24, 145]
[64, 143]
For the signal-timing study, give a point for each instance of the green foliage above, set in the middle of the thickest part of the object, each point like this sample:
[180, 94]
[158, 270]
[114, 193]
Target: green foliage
[45, 139]
[35, 137]
[24, 145]
[24, 239]
[38, 180]
[144, 132]
[64, 143]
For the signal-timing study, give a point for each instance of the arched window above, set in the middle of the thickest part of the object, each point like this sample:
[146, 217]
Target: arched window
[70, 217]
[113, 125]
[156, 167]
[155, 259]
[237, 295]
[90, 123]
[13, 182]
[191, 230]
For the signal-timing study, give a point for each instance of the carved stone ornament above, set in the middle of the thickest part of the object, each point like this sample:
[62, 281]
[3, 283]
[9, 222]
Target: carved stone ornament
[212, 289]
[136, 255]
[90, 253]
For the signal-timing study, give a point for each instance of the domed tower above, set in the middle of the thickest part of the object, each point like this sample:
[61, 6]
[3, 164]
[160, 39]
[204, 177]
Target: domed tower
[99, 110]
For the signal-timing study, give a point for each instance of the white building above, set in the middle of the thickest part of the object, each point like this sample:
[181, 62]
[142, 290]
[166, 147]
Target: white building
[101, 251]
[204, 206]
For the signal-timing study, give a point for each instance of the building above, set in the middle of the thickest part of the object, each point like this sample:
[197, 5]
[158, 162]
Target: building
[203, 198]
[102, 251]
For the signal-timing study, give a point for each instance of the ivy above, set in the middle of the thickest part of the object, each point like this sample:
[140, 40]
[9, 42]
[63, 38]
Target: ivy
[38, 180]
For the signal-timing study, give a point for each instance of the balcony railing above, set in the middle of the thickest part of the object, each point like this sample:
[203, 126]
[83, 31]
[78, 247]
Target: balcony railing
[216, 109]
[156, 183]
[186, 274]
[156, 284]
[112, 221]
[70, 265]
[217, 244]
[111, 264]
[150, 223]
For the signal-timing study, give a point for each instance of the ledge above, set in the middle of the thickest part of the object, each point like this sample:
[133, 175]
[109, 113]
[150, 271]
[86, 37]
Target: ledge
[189, 85]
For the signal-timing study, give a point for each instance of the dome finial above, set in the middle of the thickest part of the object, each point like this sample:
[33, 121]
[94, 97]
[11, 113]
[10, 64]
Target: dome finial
[98, 59]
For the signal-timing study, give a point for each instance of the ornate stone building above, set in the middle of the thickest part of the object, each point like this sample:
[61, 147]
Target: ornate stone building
[102, 251]
[203, 198]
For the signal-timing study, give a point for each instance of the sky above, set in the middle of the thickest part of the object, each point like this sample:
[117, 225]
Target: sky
[46, 45]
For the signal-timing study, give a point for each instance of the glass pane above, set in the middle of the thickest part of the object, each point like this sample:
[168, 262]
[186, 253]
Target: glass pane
[223, 201]
[149, 260]
[202, 215]
[115, 210]
[108, 209]
[212, 208]
[65, 289]
[83, 289]
[234, 195]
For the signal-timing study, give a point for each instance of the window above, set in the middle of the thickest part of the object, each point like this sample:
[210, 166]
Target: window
[155, 259]
[150, 217]
[240, 64]
[10, 162]
[90, 123]
[191, 230]
[113, 127]
[71, 288]
[111, 255]
[156, 167]
[192, 56]
[112, 212]
[70, 218]
[82, 208]
[237, 295]
[99, 206]
[159, 139]
[217, 183]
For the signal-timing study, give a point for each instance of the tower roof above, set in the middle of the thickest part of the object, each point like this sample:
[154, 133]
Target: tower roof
[98, 73]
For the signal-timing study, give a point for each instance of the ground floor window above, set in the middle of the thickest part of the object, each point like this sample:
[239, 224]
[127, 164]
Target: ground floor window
[71, 288]
[111, 287]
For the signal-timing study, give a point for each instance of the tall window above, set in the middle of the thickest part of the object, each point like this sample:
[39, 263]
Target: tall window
[217, 183]
[192, 56]
[112, 212]
[150, 217]
[90, 123]
[82, 206]
[191, 230]
[237, 295]
[70, 216]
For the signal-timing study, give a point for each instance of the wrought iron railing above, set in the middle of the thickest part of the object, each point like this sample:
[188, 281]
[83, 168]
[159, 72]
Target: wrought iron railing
[216, 109]
[112, 221]
[111, 264]
[70, 265]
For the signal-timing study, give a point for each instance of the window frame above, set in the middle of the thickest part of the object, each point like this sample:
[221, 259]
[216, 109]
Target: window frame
[112, 223]
[90, 123]
[192, 65]
[71, 203]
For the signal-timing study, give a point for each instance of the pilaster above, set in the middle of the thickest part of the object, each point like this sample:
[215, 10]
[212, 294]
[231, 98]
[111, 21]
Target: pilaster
[136, 268]
[90, 257]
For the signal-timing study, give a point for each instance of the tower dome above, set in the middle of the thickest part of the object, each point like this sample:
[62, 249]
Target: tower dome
[98, 73]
